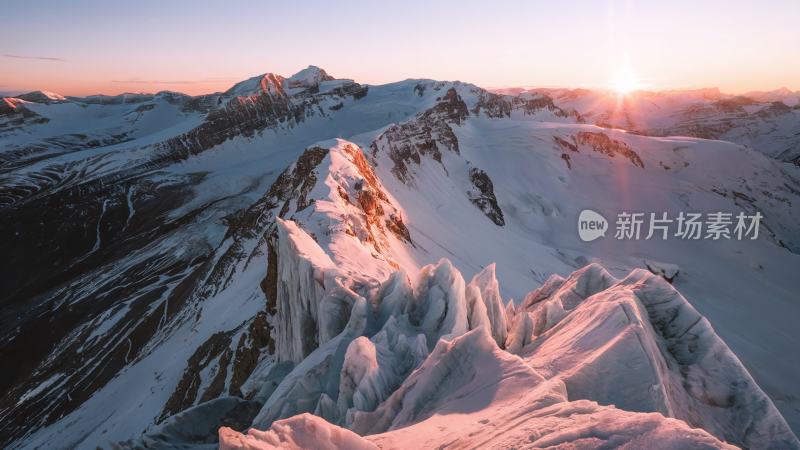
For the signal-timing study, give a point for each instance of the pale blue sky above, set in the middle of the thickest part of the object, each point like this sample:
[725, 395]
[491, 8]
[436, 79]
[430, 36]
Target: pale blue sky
[202, 46]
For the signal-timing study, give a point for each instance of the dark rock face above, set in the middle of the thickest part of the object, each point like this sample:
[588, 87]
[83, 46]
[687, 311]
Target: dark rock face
[484, 197]
[493, 105]
[598, 142]
[186, 394]
[371, 198]
[69, 271]
[543, 102]
[450, 108]
[498, 106]
[430, 132]
[565, 144]
[247, 115]
[567, 159]
[257, 223]
[601, 143]
[422, 137]
[235, 364]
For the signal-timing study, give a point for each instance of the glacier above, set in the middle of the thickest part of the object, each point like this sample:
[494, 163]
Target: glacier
[634, 344]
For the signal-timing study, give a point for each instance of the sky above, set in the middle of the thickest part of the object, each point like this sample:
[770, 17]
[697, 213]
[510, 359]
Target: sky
[81, 47]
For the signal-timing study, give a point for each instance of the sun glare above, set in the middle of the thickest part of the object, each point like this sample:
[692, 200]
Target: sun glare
[625, 81]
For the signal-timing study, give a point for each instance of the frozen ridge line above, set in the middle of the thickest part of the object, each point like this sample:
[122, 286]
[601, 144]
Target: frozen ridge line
[588, 361]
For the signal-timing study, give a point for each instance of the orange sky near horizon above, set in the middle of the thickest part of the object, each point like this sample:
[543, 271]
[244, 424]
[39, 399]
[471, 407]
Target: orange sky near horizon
[89, 46]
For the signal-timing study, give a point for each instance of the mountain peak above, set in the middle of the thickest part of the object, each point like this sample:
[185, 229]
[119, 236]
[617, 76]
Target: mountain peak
[270, 82]
[41, 97]
[308, 77]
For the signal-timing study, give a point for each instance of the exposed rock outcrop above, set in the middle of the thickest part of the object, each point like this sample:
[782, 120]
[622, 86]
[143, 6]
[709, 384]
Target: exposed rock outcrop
[425, 136]
[483, 196]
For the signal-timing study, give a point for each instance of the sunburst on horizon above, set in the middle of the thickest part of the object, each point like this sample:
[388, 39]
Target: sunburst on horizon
[625, 80]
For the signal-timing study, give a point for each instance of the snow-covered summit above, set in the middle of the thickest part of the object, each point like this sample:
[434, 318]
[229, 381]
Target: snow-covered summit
[309, 77]
[270, 83]
[42, 97]
[267, 83]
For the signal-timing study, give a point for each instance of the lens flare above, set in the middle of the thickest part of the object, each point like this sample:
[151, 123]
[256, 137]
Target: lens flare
[625, 80]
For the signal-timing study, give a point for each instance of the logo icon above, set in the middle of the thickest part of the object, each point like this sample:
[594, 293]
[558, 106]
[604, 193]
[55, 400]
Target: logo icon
[591, 225]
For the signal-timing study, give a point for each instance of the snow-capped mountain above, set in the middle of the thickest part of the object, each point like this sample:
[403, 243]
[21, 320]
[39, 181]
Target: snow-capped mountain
[292, 255]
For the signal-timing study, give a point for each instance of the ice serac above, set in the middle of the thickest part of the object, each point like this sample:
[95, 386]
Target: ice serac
[486, 304]
[450, 381]
[471, 394]
[521, 331]
[356, 340]
[302, 271]
[342, 204]
[319, 314]
[547, 310]
[590, 359]
[636, 343]
[375, 367]
[439, 307]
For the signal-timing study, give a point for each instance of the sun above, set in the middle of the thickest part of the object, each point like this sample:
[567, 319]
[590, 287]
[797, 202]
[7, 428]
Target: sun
[625, 80]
